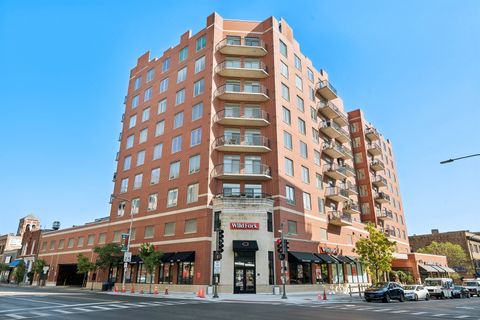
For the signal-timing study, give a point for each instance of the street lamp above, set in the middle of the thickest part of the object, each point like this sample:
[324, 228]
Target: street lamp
[454, 159]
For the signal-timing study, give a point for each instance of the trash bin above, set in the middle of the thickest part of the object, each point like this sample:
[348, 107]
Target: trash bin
[105, 286]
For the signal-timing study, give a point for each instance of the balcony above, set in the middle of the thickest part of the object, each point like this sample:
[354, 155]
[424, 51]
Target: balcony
[242, 143]
[350, 188]
[339, 218]
[381, 197]
[346, 153]
[242, 69]
[242, 92]
[334, 131]
[351, 207]
[330, 111]
[242, 171]
[384, 214]
[374, 149]
[242, 117]
[377, 165]
[337, 194]
[325, 90]
[372, 134]
[332, 149]
[242, 200]
[338, 172]
[242, 47]
[379, 181]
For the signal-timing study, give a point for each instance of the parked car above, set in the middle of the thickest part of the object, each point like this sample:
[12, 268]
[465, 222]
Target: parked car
[416, 292]
[385, 291]
[473, 285]
[460, 292]
[439, 288]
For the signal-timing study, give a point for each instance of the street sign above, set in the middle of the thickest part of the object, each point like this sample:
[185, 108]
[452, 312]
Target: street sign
[216, 267]
[45, 269]
[127, 257]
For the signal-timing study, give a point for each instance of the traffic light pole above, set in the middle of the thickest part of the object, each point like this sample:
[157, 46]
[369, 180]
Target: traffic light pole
[284, 279]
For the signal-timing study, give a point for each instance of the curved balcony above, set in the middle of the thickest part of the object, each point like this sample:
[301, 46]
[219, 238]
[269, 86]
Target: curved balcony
[337, 194]
[339, 218]
[330, 111]
[379, 181]
[377, 165]
[374, 149]
[381, 197]
[242, 143]
[242, 171]
[242, 117]
[242, 69]
[243, 199]
[351, 207]
[241, 92]
[242, 47]
[334, 131]
[338, 172]
[325, 90]
[372, 134]
[384, 214]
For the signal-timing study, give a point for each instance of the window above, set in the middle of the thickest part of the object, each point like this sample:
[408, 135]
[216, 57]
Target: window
[172, 198]
[298, 83]
[284, 69]
[285, 92]
[148, 94]
[177, 144]
[174, 170]
[178, 120]
[286, 115]
[90, 240]
[132, 122]
[182, 75]
[162, 106]
[201, 43]
[287, 140]
[135, 205]
[310, 75]
[321, 205]
[199, 64]
[298, 62]
[124, 185]
[146, 114]
[143, 135]
[166, 65]
[354, 127]
[313, 114]
[269, 222]
[283, 49]
[157, 151]
[160, 128]
[192, 193]
[292, 227]
[323, 234]
[315, 135]
[318, 181]
[137, 83]
[356, 142]
[290, 194]
[152, 202]
[300, 104]
[70, 243]
[196, 137]
[311, 93]
[137, 182]
[155, 176]
[301, 126]
[360, 174]
[190, 226]
[149, 232]
[102, 237]
[198, 87]
[303, 150]
[194, 164]
[134, 102]
[305, 175]
[358, 158]
[307, 202]
[289, 167]
[362, 191]
[180, 97]
[44, 246]
[183, 54]
[169, 229]
[52, 244]
[80, 241]
[121, 208]
[316, 157]
[127, 162]
[150, 74]
[140, 158]
[164, 85]
[197, 111]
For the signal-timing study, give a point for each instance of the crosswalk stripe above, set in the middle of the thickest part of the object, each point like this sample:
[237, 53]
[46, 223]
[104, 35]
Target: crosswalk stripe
[398, 311]
[462, 317]
[440, 315]
[83, 309]
[120, 306]
[418, 313]
[133, 305]
[15, 316]
[101, 308]
[63, 311]
[40, 314]
[382, 310]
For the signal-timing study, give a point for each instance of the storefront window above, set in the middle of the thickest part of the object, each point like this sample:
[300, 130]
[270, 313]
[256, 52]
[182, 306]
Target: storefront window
[337, 273]
[321, 273]
[165, 273]
[185, 272]
[142, 274]
[300, 273]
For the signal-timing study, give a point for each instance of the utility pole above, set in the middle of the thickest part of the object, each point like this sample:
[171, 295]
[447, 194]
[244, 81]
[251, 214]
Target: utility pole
[218, 256]
[454, 159]
[281, 254]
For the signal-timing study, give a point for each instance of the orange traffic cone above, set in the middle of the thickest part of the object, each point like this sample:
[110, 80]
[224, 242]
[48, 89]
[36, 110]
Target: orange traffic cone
[124, 289]
[324, 295]
[115, 289]
[155, 291]
[166, 291]
[133, 289]
[202, 293]
[198, 293]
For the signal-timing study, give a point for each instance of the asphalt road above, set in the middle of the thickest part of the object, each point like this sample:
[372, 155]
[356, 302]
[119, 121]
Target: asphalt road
[32, 303]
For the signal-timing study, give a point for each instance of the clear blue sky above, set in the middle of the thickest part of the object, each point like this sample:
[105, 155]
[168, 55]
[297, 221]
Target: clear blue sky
[413, 66]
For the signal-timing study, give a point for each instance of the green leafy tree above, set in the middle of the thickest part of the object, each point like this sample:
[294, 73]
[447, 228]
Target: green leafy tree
[108, 256]
[37, 268]
[151, 259]
[3, 267]
[376, 252]
[19, 272]
[84, 265]
[456, 256]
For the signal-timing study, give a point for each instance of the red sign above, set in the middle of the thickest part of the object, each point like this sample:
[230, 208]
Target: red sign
[244, 225]
[328, 250]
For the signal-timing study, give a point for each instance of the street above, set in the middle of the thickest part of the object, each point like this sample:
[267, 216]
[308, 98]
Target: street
[53, 303]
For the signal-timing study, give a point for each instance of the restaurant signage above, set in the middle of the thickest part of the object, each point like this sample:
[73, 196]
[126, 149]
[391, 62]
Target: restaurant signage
[328, 250]
[244, 225]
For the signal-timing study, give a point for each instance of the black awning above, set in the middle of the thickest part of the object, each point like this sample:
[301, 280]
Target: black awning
[326, 258]
[294, 256]
[354, 259]
[166, 256]
[185, 256]
[344, 259]
[135, 259]
[245, 245]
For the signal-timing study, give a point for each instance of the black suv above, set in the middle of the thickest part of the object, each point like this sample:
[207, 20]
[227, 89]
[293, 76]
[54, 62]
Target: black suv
[385, 291]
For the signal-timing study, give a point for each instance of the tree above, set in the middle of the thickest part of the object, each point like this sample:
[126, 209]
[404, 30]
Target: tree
[151, 259]
[376, 252]
[19, 272]
[84, 265]
[455, 254]
[108, 256]
[3, 267]
[37, 268]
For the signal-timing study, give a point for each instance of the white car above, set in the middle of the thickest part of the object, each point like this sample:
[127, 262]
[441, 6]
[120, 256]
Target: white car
[416, 292]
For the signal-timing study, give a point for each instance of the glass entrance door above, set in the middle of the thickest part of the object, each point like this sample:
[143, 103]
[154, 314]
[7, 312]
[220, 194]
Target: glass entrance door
[244, 272]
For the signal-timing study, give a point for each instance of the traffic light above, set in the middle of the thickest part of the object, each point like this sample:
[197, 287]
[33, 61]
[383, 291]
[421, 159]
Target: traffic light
[221, 237]
[281, 254]
[286, 245]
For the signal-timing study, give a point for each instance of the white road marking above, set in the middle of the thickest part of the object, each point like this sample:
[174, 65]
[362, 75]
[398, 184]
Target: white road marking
[83, 309]
[148, 303]
[40, 314]
[462, 317]
[418, 313]
[15, 316]
[50, 307]
[101, 308]
[133, 305]
[382, 310]
[440, 315]
[37, 301]
[398, 311]
[118, 306]
[63, 311]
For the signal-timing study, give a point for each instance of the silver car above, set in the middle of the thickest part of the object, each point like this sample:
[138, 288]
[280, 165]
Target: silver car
[416, 292]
